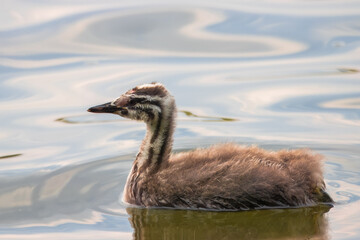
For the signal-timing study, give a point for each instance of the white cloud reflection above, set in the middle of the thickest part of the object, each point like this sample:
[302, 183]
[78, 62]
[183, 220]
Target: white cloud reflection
[96, 35]
[290, 80]
[80, 235]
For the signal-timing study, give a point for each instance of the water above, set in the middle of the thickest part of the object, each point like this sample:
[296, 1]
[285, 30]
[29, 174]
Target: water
[279, 74]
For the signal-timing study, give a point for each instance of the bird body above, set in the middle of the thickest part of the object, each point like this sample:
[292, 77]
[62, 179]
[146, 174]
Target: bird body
[222, 177]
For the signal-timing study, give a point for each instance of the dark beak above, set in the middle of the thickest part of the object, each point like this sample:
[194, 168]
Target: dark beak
[104, 108]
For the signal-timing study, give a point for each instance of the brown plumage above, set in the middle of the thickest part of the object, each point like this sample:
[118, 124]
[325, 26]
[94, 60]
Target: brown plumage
[222, 177]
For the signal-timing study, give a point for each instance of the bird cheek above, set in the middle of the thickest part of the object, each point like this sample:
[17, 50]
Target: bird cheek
[131, 114]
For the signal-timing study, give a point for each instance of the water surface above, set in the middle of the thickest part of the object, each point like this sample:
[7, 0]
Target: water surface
[279, 74]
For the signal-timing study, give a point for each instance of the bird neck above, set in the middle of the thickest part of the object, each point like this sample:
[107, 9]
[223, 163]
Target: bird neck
[157, 144]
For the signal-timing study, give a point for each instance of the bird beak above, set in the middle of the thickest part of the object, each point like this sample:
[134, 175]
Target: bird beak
[105, 108]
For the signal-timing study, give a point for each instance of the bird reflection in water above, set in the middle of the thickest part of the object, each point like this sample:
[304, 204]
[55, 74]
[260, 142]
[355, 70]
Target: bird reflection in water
[296, 223]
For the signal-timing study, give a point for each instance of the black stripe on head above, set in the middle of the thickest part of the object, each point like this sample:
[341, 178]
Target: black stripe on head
[143, 100]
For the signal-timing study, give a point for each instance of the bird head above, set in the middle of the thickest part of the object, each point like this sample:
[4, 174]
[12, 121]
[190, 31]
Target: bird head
[145, 103]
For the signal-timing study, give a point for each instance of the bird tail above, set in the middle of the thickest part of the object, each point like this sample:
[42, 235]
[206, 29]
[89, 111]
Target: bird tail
[323, 197]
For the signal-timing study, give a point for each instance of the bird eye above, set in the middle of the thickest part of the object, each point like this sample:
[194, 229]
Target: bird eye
[131, 102]
[124, 112]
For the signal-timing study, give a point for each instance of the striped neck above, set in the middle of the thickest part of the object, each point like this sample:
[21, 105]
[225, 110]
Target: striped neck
[156, 147]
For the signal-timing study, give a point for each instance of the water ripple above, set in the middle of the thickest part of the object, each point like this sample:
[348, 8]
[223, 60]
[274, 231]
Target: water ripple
[279, 74]
[157, 32]
[178, 32]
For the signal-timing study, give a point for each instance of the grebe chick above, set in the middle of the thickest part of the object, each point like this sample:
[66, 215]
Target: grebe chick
[222, 177]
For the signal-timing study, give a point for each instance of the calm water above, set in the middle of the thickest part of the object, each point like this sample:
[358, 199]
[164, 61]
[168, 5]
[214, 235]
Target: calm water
[278, 74]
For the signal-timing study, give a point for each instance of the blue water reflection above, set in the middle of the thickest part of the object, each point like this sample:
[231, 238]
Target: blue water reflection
[276, 74]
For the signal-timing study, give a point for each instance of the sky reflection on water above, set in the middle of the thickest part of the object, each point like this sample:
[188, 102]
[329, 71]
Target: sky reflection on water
[287, 72]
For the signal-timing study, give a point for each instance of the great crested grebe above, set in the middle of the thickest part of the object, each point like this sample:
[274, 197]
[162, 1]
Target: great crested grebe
[221, 177]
